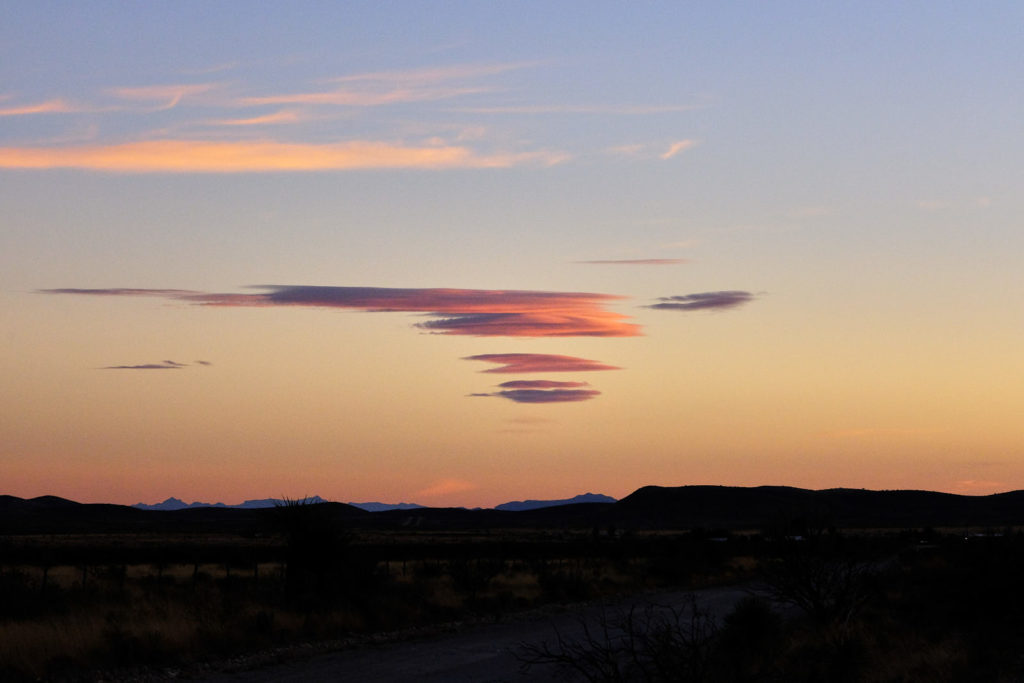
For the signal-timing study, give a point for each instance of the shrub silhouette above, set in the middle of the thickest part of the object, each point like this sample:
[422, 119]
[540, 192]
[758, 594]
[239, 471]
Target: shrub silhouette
[321, 566]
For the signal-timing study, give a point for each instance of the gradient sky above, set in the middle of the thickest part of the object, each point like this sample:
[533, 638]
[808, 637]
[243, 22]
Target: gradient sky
[465, 253]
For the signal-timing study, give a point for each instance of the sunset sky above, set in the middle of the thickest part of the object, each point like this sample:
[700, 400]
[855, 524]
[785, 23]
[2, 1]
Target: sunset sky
[466, 253]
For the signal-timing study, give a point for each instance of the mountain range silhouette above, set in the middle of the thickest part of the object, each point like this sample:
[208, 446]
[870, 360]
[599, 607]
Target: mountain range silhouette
[650, 507]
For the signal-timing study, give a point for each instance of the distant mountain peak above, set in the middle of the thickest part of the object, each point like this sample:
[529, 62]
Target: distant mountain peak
[518, 505]
[173, 503]
[381, 507]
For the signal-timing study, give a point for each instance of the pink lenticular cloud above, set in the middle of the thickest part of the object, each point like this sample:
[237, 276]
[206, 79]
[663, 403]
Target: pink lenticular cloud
[473, 312]
[539, 362]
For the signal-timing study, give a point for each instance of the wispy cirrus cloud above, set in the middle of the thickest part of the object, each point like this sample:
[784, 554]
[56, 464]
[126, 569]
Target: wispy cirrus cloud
[544, 395]
[434, 74]
[382, 88]
[638, 262]
[703, 301]
[280, 117]
[163, 96]
[622, 110]
[510, 363]
[473, 312]
[677, 147]
[54, 106]
[204, 156]
[650, 151]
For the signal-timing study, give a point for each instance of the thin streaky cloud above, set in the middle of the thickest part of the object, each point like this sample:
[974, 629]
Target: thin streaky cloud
[382, 88]
[638, 262]
[55, 106]
[677, 147]
[541, 384]
[538, 362]
[284, 116]
[633, 110]
[168, 96]
[474, 312]
[545, 395]
[703, 301]
[126, 291]
[200, 156]
[164, 365]
[361, 98]
[434, 74]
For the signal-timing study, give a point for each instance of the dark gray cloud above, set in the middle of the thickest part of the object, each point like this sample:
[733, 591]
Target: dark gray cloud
[703, 301]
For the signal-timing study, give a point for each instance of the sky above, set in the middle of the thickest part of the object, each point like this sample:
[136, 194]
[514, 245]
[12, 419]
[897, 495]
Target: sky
[461, 253]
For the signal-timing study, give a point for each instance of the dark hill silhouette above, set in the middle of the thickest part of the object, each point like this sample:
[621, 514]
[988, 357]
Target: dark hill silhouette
[517, 505]
[725, 506]
[50, 514]
[773, 508]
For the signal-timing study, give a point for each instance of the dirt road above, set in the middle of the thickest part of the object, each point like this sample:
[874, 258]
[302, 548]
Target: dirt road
[478, 653]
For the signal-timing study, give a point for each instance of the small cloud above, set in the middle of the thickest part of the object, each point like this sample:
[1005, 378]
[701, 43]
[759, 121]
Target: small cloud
[445, 487]
[703, 301]
[539, 362]
[203, 362]
[540, 384]
[677, 147]
[545, 395]
[165, 365]
[638, 262]
[932, 204]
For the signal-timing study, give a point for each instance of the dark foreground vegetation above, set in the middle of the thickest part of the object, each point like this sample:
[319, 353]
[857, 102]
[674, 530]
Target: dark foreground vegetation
[835, 608]
[828, 603]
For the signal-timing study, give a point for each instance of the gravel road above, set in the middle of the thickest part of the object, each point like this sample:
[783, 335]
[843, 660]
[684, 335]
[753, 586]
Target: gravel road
[472, 653]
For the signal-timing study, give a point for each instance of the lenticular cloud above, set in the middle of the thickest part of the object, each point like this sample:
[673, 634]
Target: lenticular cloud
[539, 362]
[545, 395]
[473, 312]
[703, 301]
